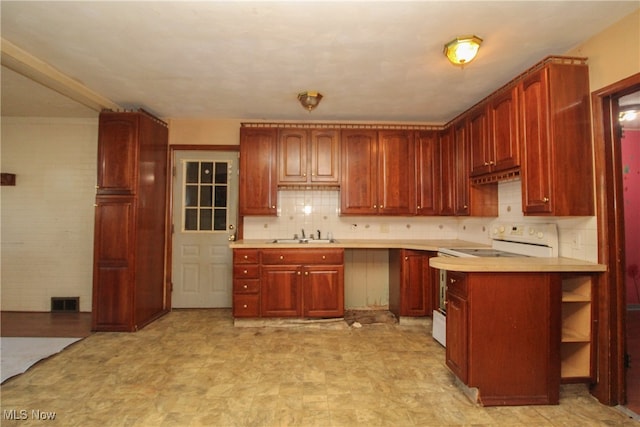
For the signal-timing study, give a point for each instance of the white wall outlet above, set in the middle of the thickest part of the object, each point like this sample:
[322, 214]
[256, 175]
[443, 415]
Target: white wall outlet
[576, 240]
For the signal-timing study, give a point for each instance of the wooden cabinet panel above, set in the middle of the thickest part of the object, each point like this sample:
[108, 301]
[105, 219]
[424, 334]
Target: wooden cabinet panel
[461, 169]
[503, 131]
[396, 181]
[457, 342]
[359, 154]
[292, 156]
[302, 256]
[130, 286]
[427, 173]
[447, 173]
[246, 305]
[246, 283]
[412, 283]
[117, 153]
[246, 256]
[280, 291]
[258, 174]
[325, 156]
[556, 151]
[323, 291]
[482, 154]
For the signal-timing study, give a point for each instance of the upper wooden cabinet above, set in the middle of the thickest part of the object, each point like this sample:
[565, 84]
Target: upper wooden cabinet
[258, 174]
[447, 167]
[461, 168]
[493, 134]
[308, 157]
[557, 161]
[118, 146]
[427, 166]
[375, 178]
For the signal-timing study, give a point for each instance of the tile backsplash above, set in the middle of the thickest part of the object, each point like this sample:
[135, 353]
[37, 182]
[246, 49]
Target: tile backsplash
[312, 210]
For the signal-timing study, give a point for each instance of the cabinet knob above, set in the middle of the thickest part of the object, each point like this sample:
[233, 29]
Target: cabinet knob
[486, 163]
[491, 162]
[324, 257]
[281, 257]
[452, 280]
[245, 272]
[465, 207]
[244, 306]
[381, 206]
[419, 207]
[375, 206]
[298, 273]
[273, 207]
[545, 199]
[246, 287]
[246, 257]
[406, 258]
[306, 273]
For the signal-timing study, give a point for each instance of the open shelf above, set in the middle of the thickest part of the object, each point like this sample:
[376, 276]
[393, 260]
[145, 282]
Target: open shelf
[575, 349]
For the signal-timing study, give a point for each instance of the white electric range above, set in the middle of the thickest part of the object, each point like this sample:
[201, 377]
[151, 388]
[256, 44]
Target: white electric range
[507, 240]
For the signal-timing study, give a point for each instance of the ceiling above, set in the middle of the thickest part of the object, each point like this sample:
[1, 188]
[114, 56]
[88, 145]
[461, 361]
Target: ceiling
[372, 61]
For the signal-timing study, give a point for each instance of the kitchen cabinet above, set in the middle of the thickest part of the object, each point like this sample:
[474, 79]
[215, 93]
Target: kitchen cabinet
[493, 133]
[246, 283]
[427, 172]
[447, 173]
[258, 173]
[288, 283]
[461, 168]
[130, 236]
[375, 178]
[308, 157]
[411, 283]
[576, 351]
[457, 349]
[557, 159]
[504, 340]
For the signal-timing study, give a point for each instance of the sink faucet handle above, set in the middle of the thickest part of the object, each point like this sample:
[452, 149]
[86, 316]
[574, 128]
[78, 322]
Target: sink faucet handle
[318, 234]
[303, 235]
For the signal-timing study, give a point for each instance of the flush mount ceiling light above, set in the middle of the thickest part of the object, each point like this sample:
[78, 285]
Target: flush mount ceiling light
[629, 112]
[309, 99]
[462, 50]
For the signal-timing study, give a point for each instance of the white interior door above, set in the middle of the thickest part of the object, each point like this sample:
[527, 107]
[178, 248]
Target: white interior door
[205, 203]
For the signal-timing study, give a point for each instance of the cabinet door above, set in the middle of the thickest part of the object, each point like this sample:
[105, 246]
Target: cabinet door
[503, 131]
[536, 162]
[415, 284]
[427, 173]
[461, 169]
[258, 189]
[292, 156]
[325, 159]
[280, 291]
[447, 173]
[117, 153]
[113, 270]
[457, 330]
[481, 152]
[396, 180]
[323, 291]
[358, 192]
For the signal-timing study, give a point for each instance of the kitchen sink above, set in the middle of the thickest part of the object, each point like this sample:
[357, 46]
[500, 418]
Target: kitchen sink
[283, 241]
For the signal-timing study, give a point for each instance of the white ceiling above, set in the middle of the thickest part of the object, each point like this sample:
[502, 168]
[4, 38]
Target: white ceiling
[378, 61]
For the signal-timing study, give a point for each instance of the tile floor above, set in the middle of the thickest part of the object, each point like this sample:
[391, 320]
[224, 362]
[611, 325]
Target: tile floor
[193, 368]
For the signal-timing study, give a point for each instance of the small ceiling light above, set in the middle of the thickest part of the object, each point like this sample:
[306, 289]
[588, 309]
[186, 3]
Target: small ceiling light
[309, 99]
[462, 50]
[628, 113]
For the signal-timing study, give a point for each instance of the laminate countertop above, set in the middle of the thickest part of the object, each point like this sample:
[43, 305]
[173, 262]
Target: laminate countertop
[479, 265]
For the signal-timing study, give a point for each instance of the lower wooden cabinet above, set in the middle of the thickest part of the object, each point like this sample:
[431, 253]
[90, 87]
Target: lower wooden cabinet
[288, 283]
[412, 283]
[457, 355]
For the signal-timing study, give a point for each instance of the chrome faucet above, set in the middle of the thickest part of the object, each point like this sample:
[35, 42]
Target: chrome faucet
[303, 235]
[318, 234]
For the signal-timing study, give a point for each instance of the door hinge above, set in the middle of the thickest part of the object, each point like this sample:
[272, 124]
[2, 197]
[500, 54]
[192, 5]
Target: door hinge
[627, 360]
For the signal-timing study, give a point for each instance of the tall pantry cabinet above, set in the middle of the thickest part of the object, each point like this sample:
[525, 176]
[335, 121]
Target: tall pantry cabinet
[129, 272]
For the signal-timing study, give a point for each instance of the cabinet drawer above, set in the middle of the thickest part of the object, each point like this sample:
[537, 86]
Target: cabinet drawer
[246, 256]
[246, 286]
[457, 284]
[246, 305]
[303, 256]
[249, 271]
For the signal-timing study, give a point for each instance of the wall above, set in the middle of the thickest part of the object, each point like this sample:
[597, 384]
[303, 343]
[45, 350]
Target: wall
[47, 218]
[631, 193]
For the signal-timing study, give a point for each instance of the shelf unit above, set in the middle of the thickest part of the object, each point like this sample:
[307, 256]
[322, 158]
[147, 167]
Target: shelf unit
[577, 313]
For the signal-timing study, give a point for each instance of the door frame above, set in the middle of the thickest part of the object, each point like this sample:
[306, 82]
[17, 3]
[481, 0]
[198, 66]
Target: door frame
[169, 219]
[610, 387]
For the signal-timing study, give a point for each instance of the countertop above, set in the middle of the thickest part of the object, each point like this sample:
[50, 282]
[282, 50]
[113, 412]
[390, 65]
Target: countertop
[511, 264]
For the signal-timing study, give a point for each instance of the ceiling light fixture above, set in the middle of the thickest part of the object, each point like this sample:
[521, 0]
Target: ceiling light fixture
[629, 112]
[462, 50]
[309, 99]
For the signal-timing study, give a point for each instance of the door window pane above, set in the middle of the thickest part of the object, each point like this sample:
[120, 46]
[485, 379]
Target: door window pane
[205, 196]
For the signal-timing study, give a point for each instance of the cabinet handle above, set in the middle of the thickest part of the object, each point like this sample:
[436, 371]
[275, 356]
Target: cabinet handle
[545, 199]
